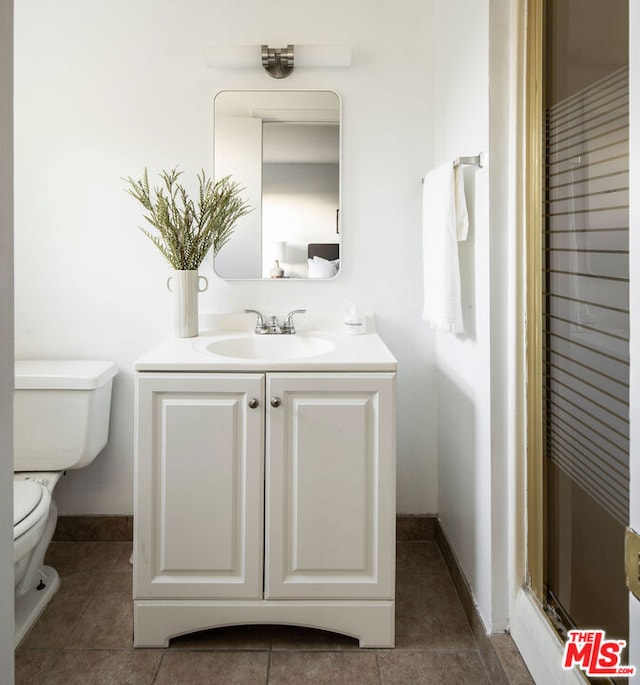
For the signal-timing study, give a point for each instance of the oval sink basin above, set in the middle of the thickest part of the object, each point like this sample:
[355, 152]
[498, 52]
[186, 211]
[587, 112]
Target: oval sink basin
[270, 347]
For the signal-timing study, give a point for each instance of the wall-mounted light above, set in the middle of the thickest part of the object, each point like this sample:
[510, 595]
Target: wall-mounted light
[278, 62]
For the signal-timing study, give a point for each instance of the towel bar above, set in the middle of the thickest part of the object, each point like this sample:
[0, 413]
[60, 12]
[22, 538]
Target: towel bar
[470, 160]
[474, 160]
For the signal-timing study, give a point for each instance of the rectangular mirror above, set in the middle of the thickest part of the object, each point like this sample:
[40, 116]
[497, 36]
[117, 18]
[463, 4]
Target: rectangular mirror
[284, 148]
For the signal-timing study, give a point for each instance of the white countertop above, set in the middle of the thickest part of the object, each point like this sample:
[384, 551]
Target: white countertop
[366, 352]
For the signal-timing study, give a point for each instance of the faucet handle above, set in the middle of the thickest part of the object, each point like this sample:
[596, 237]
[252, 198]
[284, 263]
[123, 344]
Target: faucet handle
[287, 326]
[261, 326]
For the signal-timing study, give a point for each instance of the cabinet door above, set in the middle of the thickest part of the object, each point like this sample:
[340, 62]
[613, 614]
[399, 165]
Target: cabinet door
[199, 486]
[330, 486]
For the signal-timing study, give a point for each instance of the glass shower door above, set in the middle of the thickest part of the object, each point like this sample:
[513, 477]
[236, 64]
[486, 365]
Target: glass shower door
[586, 317]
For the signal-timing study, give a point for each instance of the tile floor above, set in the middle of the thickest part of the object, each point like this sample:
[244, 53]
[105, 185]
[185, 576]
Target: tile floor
[84, 636]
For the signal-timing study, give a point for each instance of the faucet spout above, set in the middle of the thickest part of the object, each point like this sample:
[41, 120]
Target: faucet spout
[274, 326]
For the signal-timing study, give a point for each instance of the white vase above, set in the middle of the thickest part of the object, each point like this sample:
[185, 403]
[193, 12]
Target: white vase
[186, 286]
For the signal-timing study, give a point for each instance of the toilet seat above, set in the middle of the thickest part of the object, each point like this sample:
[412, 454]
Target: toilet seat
[31, 501]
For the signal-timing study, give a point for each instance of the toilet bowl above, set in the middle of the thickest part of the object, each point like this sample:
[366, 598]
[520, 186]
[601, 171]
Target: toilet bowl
[61, 421]
[31, 505]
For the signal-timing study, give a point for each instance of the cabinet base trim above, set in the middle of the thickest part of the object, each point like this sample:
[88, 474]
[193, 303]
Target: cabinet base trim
[157, 621]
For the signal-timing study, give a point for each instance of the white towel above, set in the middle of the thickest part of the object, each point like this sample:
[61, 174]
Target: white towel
[445, 222]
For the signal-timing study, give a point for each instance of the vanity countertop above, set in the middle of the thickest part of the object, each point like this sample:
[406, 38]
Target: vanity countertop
[332, 349]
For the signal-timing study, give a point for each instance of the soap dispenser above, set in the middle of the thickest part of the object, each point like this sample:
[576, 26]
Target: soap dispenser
[354, 322]
[277, 271]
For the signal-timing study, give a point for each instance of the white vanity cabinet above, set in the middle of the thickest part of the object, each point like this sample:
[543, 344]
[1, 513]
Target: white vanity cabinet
[199, 486]
[264, 498]
[330, 486]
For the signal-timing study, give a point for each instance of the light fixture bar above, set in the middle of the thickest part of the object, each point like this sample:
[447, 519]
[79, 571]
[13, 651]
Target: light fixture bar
[330, 56]
[232, 56]
[278, 62]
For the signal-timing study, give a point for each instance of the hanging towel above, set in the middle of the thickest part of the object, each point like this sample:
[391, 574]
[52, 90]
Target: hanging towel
[445, 222]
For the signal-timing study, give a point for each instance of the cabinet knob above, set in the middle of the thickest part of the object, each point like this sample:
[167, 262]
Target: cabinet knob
[253, 403]
[275, 401]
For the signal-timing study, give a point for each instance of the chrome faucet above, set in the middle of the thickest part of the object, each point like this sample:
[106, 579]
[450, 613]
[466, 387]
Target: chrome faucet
[273, 326]
[287, 326]
[261, 326]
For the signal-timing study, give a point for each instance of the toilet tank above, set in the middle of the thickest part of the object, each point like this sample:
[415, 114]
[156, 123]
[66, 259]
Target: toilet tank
[61, 413]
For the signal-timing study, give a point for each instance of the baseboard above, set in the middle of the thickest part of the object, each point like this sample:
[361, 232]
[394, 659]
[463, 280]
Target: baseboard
[409, 528]
[94, 529]
[498, 651]
[416, 527]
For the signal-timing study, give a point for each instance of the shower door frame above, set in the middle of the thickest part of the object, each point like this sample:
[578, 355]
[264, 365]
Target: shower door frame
[533, 184]
[532, 189]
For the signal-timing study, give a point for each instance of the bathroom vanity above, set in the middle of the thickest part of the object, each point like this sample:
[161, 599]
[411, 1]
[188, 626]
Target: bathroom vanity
[265, 484]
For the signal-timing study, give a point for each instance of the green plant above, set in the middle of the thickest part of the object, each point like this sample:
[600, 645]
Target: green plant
[186, 231]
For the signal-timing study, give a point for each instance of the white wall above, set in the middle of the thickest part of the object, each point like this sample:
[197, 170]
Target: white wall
[472, 115]
[6, 343]
[105, 89]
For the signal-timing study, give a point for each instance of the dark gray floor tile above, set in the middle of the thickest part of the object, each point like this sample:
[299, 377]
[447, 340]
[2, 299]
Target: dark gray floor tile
[85, 635]
[419, 558]
[432, 668]
[429, 615]
[34, 666]
[107, 621]
[89, 667]
[217, 668]
[63, 612]
[324, 668]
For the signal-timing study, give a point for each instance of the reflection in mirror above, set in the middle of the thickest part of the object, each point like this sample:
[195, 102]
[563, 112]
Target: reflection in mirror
[284, 148]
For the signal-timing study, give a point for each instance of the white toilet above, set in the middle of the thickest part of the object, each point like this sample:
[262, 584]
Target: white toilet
[61, 421]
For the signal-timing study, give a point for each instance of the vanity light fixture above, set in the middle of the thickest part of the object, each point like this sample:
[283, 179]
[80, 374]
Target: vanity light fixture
[278, 62]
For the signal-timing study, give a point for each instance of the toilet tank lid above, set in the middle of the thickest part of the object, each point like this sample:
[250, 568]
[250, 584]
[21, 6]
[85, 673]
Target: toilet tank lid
[62, 374]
